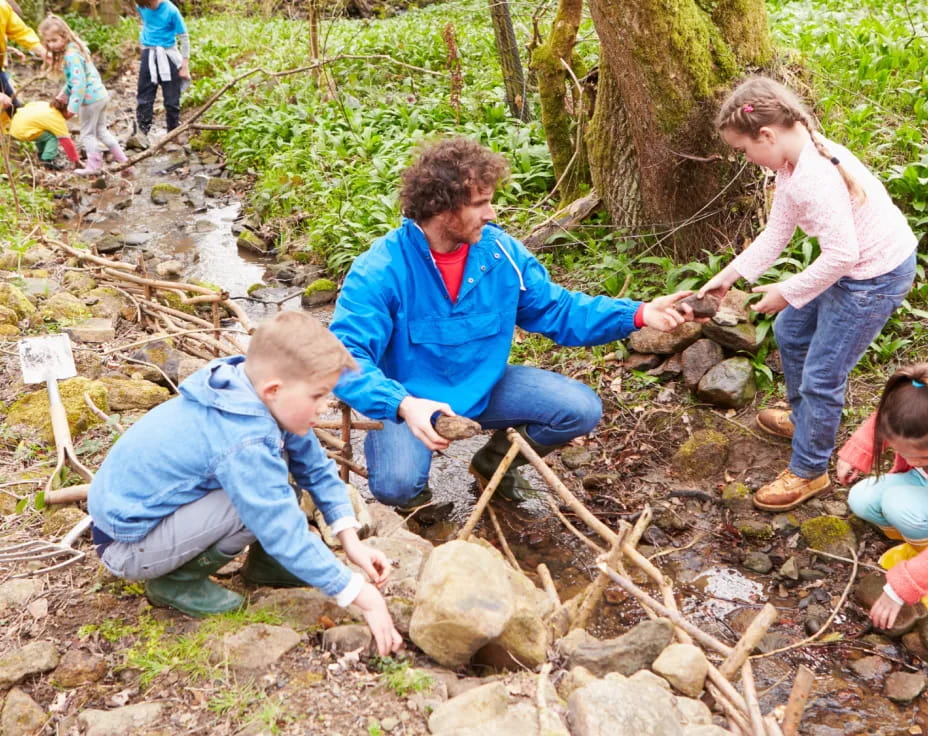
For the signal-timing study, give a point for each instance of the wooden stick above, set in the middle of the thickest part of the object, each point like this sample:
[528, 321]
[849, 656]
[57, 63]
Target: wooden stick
[552, 480]
[750, 697]
[773, 728]
[571, 528]
[629, 587]
[502, 539]
[86, 255]
[488, 491]
[754, 633]
[356, 424]
[330, 439]
[802, 688]
[726, 688]
[547, 582]
[737, 723]
[641, 526]
[342, 460]
[71, 494]
[347, 451]
[595, 590]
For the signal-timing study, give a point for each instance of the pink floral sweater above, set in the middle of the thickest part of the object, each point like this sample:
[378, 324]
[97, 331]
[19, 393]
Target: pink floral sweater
[908, 579]
[860, 241]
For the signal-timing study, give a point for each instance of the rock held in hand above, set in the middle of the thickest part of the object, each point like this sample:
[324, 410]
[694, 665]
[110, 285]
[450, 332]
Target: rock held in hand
[705, 306]
[456, 428]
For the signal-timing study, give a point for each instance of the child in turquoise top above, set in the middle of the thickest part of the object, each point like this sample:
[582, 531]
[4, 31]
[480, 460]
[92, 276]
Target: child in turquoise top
[83, 91]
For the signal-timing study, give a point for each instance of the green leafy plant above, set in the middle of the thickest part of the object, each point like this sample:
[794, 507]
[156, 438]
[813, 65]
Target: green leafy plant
[400, 677]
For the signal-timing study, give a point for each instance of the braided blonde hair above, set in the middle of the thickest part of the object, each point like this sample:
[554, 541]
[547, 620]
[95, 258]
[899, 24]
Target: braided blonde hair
[54, 24]
[760, 101]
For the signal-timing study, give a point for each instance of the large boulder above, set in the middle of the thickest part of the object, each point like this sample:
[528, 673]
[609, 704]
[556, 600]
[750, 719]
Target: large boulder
[730, 384]
[464, 601]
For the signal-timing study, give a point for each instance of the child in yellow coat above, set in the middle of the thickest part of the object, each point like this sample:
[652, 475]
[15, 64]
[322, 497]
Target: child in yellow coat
[42, 123]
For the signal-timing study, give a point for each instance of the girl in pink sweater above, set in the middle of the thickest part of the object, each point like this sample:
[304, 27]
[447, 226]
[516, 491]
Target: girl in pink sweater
[829, 313]
[897, 502]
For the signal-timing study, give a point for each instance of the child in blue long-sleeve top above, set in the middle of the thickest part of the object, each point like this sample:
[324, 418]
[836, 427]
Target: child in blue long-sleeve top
[199, 477]
[83, 92]
[165, 62]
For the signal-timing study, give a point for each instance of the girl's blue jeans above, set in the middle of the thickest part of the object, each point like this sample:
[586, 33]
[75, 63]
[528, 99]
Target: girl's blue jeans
[820, 344]
[555, 409]
[897, 500]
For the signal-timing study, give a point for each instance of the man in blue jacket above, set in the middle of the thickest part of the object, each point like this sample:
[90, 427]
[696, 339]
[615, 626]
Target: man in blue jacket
[428, 313]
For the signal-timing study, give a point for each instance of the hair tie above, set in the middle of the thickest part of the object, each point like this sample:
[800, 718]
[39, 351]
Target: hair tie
[835, 161]
[748, 108]
[918, 384]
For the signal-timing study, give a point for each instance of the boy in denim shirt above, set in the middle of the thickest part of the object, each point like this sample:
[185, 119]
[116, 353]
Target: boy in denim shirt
[201, 476]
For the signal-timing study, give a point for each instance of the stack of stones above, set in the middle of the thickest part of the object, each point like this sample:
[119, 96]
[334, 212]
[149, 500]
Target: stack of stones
[710, 357]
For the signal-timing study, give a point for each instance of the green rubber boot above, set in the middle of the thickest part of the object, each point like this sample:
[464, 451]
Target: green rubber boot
[512, 487]
[189, 589]
[262, 569]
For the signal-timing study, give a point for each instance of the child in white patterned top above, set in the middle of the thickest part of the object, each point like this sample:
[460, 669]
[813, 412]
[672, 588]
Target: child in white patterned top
[829, 313]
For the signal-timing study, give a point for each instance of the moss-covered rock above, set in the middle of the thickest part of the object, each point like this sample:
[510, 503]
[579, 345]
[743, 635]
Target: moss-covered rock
[736, 496]
[127, 393]
[163, 193]
[754, 530]
[8, 316]
[105, 302]
[253, 242]
[13, 298]
[60, 520]
[9, 330]
[829, 534]
[33, 409]
[702, 455]
[320, 291]
[255, 287]
[216, 186]
[78, 282]
[64, 308]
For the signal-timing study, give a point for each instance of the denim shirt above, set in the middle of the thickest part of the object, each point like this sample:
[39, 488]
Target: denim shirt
[218, 434]
[396, 318]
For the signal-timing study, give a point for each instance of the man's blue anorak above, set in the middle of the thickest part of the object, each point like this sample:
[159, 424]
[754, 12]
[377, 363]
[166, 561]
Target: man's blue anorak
[395, 317]
[218, 434]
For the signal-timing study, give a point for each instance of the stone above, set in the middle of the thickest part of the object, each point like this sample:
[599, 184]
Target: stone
[742, 336]
[576, 456]
[163, 193]
[135, 239]
[9, 330]
[94, 330]
[707, 730]
[129, 719]
[361, 514]
[38, 287]
[901, 687]
[815, 617]
[162, 354]
[347, 638]
[31, 659]
[473, 707]
[733, 309]
[790, 569]
[320, 291]
[216, 186]
[705, 306]
[457, 427]
[21, 716]
[32, 410]
[253, 242]
[829, 534]
[108, 244]
[684, 666]
[187, 365]
[61, 520]
[872, 667]
[301, 608]
[578, 677]
[13, 298]
[15, 594]
[729, 384]
[670, 368]
[108, 303]
[693, 713]
[8, 316]
[78, 667]
[753, 529]
[737, 497]
[702, 455]
[255, 647]
[914, 645]
[836, 508]
[626, 654]
[171, 270]
[78, 282]
[622, 707]
[63, 308]
[697, 359]
[651, 340]
[129, 393]
[784, 523]
[757, 562]
[642, 361]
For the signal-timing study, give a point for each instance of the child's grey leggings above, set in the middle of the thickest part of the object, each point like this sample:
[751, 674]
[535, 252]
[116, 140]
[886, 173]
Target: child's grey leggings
[93, 127]
[180, 537]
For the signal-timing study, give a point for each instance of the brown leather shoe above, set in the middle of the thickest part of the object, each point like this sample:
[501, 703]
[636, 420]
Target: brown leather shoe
[788, 490]
[777, 422]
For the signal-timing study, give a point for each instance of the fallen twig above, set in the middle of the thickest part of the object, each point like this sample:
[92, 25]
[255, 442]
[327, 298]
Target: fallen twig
[502, 539]
[802, 688]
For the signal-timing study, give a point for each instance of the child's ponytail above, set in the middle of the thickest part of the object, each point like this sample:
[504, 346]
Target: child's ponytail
[759, 102]
[57, 25]
[903, 410]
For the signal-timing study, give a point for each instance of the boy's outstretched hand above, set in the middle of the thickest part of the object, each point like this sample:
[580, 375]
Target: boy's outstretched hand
[374, 608]
[376, 564]
[661, 314]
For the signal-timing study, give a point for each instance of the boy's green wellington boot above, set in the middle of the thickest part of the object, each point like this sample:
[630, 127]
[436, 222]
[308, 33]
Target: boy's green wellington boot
[512, 487]
[189, 589]
[262, 569]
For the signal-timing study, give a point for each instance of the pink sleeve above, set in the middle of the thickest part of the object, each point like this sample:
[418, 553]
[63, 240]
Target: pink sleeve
[766, 248]
[858, 450]
[909, 579]
[827, 215]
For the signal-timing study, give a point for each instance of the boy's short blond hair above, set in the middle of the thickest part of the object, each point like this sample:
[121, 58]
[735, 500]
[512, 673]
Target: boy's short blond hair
[295, 346]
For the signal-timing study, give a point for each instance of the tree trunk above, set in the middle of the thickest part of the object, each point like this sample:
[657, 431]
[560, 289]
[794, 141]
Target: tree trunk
[550, 62]
[663, 68]
[509, 60]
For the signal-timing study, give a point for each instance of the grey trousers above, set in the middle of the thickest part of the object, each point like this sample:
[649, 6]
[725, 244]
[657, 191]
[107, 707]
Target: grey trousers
[93, 127]
[180, 537]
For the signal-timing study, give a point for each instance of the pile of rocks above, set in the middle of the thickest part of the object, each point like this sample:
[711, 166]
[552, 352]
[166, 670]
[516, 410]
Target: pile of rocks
[707, 356]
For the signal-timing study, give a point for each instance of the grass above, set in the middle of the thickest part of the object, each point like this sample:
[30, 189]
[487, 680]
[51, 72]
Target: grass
[398, 676]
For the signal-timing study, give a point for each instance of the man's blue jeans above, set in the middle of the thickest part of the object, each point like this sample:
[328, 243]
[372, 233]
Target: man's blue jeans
[820, 344]
[898, 501]
[555, 409]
